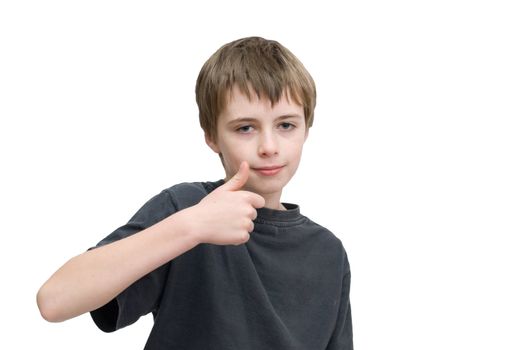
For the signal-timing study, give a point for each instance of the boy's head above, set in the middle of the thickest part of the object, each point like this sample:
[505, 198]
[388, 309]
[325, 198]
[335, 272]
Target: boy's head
[256, 103]
[257, 65]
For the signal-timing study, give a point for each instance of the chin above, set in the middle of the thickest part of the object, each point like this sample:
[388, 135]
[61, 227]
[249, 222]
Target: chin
[268, 186]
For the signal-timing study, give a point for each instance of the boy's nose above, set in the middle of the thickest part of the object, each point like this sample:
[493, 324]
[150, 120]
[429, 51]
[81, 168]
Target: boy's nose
[267, 145]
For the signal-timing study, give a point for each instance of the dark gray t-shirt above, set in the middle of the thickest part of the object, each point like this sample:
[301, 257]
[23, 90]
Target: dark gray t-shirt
[286, 288]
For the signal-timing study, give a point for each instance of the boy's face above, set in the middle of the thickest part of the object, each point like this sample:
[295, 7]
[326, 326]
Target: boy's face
[269, 138]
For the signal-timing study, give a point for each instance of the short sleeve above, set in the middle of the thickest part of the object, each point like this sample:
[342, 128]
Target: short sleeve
[142, 297]
[341, 338]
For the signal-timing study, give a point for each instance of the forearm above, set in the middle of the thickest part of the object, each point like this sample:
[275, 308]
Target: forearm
[90, 280]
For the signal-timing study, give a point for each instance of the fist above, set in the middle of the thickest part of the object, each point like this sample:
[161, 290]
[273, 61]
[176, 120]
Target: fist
[225, 216]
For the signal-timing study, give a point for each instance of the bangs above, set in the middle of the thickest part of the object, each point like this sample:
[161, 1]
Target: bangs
[254, 65]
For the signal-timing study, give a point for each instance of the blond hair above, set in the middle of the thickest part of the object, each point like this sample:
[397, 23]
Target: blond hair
[252, 64]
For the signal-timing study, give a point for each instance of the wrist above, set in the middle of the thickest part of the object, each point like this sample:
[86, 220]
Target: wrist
[188, 224]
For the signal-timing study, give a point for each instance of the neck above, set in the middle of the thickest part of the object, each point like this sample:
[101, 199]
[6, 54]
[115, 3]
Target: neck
[272, 201]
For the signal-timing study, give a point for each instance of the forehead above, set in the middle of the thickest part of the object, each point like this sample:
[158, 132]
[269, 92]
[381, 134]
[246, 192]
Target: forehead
[240, 105]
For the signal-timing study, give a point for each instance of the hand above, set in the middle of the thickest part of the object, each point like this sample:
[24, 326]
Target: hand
[226, 215]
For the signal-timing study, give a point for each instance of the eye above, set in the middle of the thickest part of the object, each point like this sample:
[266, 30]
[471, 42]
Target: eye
[245, 129]
[287, 126]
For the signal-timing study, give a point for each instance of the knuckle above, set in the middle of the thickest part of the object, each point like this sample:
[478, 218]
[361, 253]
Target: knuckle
[249, 212]
[247, 196]
[243, 239]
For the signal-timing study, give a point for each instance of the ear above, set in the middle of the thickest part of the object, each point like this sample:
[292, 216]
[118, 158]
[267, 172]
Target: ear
[211, 143]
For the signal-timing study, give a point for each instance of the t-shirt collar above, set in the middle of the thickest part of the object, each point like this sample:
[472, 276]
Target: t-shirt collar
[292, 214]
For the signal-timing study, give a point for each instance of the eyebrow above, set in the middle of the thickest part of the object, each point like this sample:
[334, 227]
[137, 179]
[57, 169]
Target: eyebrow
[250, 119]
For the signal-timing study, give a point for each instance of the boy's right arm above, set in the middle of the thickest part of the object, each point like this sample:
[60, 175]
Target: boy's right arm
[92, 279]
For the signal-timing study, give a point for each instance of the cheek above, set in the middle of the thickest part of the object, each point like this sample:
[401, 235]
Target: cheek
[233, 155]
[295, 148]
[240, 147]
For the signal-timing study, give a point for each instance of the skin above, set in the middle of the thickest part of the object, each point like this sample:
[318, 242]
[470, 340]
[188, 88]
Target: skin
[263, 136]
[273, 135]
[93, 278]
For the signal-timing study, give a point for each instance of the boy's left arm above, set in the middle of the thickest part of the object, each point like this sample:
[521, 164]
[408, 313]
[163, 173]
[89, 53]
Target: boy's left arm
[341, 338]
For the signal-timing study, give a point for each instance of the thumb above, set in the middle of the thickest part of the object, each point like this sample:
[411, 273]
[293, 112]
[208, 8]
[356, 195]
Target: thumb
[236, 182]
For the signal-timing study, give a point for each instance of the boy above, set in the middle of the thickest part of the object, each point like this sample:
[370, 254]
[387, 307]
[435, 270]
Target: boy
[224, 265]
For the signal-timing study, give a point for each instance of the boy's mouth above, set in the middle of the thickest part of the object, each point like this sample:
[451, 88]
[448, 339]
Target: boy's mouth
[269, 170]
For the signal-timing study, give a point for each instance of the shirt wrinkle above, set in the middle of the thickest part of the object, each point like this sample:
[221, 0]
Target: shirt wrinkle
[240, 297]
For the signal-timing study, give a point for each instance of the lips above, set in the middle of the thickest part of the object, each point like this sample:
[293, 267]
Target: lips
[269, 170]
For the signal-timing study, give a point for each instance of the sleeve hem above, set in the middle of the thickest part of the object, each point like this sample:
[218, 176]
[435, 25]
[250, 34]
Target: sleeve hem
[106, 317]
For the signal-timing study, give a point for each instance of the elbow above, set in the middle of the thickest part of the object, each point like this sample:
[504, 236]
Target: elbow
[48, 305]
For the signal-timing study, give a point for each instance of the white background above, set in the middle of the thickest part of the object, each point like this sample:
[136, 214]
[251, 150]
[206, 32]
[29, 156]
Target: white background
[415, 160]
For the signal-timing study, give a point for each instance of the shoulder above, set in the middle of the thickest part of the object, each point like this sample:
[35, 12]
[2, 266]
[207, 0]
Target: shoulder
[187, 194]
[329, 241]
[326, 234]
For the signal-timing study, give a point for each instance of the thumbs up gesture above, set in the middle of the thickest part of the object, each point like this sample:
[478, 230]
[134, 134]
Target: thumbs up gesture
[226, 215]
